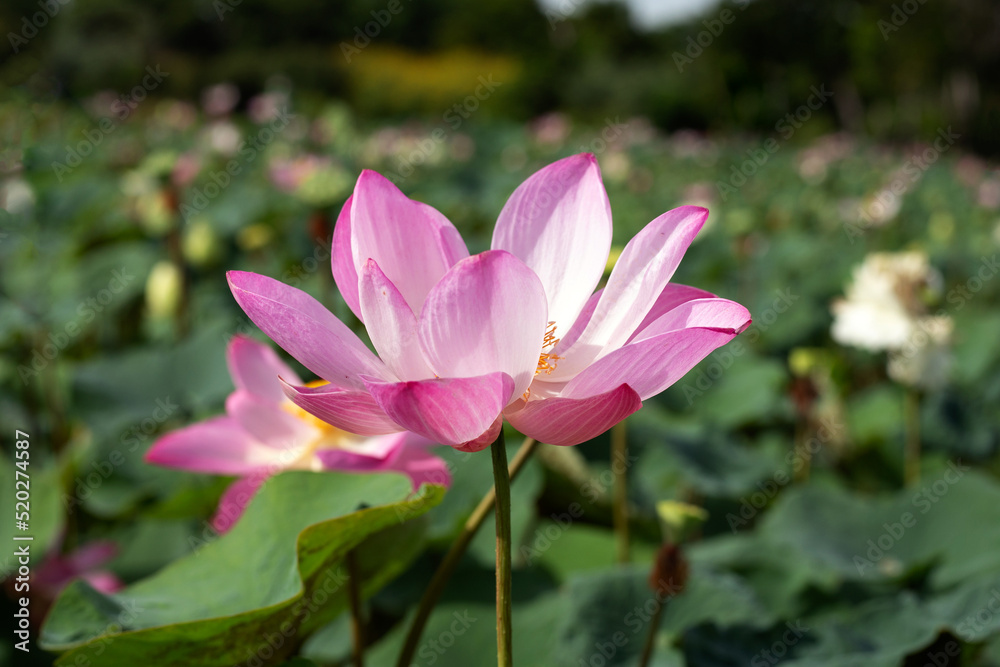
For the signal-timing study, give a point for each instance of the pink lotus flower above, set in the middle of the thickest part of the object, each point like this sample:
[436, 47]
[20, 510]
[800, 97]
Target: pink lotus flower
[515, 331]
[263, 433]
[56, 571]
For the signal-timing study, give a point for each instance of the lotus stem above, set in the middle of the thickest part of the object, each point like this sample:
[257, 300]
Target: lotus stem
[501, 485]
[619, 466]
[454, 555]
[357, 614]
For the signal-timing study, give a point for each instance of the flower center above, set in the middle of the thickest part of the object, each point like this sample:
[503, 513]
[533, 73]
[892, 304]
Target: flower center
[547, 361]
[327, 435]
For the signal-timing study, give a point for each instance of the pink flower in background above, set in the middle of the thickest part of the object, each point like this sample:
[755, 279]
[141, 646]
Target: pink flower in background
[289, 174]
[56, 572]
[263, 433]
[515, 331]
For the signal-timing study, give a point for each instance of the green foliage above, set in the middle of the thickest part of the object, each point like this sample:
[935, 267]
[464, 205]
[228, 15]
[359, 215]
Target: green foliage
[278, 575]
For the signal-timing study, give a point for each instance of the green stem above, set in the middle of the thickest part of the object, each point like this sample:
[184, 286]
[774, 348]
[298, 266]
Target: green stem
[501, 484]
[654, 626]
[452, 558]
[357, 614]
[619, 465]
[911, 455]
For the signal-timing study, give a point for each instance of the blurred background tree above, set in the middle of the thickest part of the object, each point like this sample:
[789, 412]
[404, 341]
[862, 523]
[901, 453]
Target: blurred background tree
[588, 59]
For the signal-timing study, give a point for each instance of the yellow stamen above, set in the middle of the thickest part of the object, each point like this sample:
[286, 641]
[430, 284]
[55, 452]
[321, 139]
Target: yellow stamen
[328, 436]
[547, 361]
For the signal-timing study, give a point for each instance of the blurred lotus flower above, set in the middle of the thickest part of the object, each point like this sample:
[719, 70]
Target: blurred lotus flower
[185, 169]
[514, 331]
[552, 129]
[266, 107]
[56, 572]
[263, 433]
[989, 193]
[220, 99]
[881, 207]
[883, 301]
[813, 161]
[176, 114]
[223, 137]
[17, 197]
[316, 180]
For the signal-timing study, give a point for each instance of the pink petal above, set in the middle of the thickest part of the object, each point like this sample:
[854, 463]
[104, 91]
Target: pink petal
[412, 242]
[570, 421]
[404, 452]
[92, 555]
[452, 411]
[583, 319]
[637, 281]
[256, 368]
[422, 466]
[650, 365]
[105, 582]
[672, 296]
[218, 445]
[391, 325]
[268, 423]
[558, 222]
[306, 330]
[235, 500]
[711, 313]
[487, 314]
[345, 273]
[351, 411]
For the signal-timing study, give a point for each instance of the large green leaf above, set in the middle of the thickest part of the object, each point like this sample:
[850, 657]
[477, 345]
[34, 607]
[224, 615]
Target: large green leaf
[940, 521]
[261, 588]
